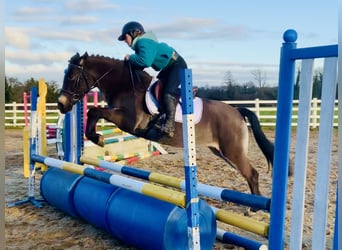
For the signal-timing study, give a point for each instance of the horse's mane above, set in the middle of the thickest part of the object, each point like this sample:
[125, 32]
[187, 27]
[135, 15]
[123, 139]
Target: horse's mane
[142, 75]
[112, 59]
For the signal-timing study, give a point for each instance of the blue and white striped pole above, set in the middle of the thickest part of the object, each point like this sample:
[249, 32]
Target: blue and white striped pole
[73, 134]
[148, 189]
[218, 193]
[33, 148]
[190, 159]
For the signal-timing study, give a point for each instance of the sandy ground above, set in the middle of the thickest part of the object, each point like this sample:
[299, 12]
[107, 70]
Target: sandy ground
[28, 227]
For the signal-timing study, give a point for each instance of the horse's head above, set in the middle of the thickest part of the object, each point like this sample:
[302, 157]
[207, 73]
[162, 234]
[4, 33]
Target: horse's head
[109, 75]
[78, 80]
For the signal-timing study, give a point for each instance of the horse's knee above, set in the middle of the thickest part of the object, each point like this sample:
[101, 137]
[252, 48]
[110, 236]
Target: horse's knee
[93, 113]
[93, 116]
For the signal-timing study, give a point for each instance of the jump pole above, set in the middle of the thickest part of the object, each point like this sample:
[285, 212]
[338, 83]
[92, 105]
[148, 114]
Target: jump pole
[41, 120]
[33, 147]
[168, 195]
[202, 189]
[190, 168]
[236, 220]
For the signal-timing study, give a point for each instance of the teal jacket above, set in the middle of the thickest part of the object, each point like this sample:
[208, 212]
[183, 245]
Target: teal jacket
[150, 53]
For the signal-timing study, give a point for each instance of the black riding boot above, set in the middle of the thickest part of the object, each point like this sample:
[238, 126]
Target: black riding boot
[170, 103]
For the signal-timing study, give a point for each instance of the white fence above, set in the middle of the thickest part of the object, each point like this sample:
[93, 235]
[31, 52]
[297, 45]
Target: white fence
[265, 109]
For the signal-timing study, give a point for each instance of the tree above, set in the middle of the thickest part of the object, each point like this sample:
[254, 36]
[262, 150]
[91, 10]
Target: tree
[228, 78]
[317, 84]
[14, 89]
[259, 77]
[52, 92]
[8, 91]
[296, 86]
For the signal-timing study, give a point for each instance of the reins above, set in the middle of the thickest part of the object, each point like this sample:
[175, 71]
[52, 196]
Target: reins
[96, 83]
[77, 96]
[131, 76]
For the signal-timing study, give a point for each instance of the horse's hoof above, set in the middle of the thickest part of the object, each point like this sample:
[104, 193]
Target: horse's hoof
[250, 211]
[247, 212]
[101, 141]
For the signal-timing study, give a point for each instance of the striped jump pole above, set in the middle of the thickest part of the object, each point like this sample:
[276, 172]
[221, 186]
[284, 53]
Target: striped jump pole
[237, 240]
[33, 147]
[241, 221]
[221, 194]
[190, 169]
[171, 196]
[120, 139]
[128, 158]
[233, 219]
[111, 131]
[113, 140]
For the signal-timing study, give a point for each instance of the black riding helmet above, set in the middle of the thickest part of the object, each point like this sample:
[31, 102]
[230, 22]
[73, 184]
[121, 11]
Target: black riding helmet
[130, 28]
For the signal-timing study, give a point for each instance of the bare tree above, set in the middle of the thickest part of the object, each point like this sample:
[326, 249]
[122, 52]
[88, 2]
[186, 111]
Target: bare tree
[228, 79]
[259, 77]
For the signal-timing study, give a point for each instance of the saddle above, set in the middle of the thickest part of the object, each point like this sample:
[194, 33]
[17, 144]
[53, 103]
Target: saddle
[156, 90]
[153, 98]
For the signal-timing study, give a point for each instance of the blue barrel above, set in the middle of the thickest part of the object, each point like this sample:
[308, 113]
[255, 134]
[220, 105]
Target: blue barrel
[90, 201]
[148, 223]
[57, 188]
[136, 219]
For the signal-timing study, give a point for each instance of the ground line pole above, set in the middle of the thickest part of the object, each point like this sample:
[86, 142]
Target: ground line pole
[190, 159]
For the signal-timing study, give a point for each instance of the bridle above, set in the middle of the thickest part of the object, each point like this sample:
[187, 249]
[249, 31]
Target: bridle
[78, 96]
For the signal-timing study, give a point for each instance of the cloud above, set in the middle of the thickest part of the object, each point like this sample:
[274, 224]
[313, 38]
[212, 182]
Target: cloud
[33, 11]
[23, 57]
[201, 28]
[76, 20]
[212, 72]
[17, 38]
[37, 71]
[82, 6]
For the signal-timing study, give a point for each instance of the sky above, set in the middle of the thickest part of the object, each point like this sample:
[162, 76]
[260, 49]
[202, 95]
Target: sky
[214, 37]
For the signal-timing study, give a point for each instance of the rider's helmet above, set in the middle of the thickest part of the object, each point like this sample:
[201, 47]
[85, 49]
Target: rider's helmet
[131, 28]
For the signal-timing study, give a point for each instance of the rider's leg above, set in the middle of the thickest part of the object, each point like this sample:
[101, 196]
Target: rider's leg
[170, 103]
[170, 77]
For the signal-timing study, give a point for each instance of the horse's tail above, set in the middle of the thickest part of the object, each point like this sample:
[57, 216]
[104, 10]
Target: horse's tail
[264, 144]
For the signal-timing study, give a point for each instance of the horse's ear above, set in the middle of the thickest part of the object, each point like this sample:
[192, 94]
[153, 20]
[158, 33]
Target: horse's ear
[83, 57]
[75, 57]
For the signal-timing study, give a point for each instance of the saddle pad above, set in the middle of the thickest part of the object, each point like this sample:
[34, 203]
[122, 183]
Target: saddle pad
[152, 106]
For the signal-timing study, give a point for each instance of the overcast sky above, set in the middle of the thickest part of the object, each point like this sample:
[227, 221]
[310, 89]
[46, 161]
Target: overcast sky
[213, 36]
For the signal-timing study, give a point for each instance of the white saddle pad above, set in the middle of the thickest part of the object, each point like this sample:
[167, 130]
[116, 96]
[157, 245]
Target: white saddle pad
[152, 106]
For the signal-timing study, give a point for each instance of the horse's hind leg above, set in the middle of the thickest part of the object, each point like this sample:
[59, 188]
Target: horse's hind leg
[93, 115]
[242, 164]
[249, 173]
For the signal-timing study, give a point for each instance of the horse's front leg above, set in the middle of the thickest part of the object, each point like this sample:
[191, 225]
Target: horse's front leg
[93, 115]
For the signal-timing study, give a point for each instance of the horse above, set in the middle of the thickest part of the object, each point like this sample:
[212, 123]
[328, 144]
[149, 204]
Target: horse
[222, 127]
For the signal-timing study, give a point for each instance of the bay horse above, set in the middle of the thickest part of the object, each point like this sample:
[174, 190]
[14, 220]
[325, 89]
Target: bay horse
[222, 127]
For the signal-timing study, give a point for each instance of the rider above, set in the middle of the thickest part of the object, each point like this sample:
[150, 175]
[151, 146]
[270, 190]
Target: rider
[161, 57]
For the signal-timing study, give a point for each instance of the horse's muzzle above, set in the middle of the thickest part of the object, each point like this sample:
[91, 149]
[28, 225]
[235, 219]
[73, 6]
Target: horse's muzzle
[64, 105]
